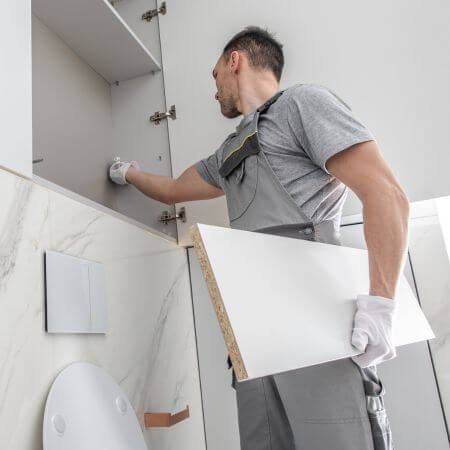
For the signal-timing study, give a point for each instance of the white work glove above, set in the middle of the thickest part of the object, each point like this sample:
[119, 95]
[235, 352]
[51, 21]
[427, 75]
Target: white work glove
[118, 171]
[372, 330]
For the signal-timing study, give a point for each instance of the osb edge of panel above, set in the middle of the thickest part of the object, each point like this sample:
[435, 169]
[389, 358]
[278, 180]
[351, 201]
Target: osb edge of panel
[222, 316]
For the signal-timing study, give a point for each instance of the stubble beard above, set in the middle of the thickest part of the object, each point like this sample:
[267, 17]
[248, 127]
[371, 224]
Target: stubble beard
[228, 108]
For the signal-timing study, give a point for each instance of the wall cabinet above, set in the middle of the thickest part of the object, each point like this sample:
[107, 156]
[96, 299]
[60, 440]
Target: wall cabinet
[95, 85]
[100, 71]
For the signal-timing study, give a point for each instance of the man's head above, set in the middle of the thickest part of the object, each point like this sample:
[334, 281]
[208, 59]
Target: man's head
[251, 56]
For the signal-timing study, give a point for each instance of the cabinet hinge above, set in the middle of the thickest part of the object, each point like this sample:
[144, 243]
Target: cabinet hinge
[166, 216]
[148, 16]
[158, 116]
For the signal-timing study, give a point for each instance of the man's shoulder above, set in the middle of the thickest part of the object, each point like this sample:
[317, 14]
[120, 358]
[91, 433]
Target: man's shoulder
[311, 92]
[306, 89]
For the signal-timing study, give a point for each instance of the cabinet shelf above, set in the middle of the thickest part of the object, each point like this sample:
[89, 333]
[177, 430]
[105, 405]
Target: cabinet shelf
[96, 32]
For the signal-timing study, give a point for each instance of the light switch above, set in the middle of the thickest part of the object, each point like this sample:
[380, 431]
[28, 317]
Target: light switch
[75, 294]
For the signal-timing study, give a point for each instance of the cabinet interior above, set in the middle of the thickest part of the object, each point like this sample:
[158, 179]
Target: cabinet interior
[95, 85]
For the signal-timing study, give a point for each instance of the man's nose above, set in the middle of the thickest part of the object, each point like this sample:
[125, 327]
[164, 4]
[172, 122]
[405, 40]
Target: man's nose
[216, 96]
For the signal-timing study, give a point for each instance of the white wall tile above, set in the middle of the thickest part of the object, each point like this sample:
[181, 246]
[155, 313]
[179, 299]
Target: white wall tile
[150, 347]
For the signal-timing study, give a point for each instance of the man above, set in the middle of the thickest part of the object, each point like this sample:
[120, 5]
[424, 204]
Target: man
[286, 170]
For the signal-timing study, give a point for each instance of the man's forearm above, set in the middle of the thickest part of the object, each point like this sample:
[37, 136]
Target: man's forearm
[157, 187]
[386, 233]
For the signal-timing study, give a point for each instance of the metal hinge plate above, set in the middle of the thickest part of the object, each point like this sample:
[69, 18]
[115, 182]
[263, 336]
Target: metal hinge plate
[167, 217]
[148, 15]
[158, 116]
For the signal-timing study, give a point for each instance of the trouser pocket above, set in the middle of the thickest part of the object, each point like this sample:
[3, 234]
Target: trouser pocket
[379, 422]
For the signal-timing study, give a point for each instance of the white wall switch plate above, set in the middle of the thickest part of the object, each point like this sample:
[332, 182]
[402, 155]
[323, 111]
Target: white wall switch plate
[75, 294]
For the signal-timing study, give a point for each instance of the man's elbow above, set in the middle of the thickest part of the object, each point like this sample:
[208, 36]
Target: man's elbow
[168, 199]
[170, 193]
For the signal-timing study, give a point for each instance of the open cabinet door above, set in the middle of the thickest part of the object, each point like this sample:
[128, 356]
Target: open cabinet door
[372, 55]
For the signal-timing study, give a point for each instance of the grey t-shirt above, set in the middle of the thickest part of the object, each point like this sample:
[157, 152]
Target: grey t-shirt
[298, 134]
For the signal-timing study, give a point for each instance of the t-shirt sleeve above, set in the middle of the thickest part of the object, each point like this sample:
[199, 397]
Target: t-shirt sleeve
[208, 169]
[323, 124]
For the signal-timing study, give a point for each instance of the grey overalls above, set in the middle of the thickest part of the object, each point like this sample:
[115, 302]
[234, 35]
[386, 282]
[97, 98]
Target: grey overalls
[332, 406]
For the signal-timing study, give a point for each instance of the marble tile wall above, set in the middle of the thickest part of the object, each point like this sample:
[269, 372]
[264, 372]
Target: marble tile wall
[150, 346]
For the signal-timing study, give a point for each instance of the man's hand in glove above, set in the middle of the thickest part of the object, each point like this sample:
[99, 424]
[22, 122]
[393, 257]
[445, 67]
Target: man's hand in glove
[372, 330]
[118, 171]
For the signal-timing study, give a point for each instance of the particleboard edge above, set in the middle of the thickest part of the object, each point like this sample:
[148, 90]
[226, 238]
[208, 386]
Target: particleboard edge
[221, 313]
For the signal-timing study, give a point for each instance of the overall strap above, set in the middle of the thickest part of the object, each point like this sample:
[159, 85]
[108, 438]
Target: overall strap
[269, 102]
[249, 145]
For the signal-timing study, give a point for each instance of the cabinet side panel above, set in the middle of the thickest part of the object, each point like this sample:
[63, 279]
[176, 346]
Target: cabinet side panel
[136, 138]
[219, 398]
[15, 79]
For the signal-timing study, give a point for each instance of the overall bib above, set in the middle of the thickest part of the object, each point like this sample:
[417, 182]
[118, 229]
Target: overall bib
[331, 406]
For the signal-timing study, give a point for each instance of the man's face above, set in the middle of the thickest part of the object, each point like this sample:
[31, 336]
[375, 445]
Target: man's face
[226, 84]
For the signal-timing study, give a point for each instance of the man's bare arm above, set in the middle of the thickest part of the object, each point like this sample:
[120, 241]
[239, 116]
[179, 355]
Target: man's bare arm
[188, 186]
[385, 211]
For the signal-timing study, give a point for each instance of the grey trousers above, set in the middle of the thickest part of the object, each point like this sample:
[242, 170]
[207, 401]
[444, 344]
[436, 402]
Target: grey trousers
[332, 406]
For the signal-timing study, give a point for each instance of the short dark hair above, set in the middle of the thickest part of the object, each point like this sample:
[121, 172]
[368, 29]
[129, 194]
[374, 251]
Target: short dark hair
[262, 49]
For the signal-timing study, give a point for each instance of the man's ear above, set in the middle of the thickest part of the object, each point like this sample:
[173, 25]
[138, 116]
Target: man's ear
[234, 60]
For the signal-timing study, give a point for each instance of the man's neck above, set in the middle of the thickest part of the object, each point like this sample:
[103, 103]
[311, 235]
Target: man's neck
[253, 95]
